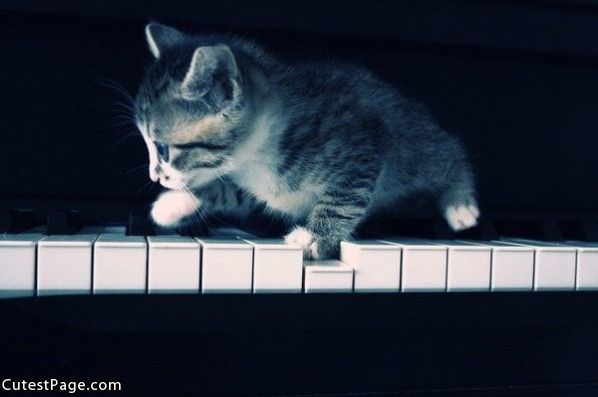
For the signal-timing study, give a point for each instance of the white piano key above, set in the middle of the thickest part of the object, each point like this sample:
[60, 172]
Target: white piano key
[173, 264]
[512, 266]
[64, 264]
[423, 265]
[586, 277]
[328, 276]
[376, 264]
[17, 264]
[468, 266]
[227, 265]
[554, 267]
[119, 264]
[277, 266]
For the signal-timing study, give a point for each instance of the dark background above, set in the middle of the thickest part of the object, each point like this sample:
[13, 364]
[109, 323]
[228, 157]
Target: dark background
[516, 80]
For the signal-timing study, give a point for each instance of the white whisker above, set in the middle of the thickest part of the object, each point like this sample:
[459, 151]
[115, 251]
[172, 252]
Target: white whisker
[136, 169]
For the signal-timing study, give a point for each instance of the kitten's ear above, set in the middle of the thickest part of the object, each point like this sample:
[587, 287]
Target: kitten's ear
[160, 37]
[213, 69]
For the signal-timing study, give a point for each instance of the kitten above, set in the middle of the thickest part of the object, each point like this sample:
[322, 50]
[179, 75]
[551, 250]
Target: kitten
[228, 127]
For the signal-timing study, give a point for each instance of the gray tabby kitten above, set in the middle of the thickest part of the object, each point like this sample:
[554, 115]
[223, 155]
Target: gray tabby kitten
[229, 127]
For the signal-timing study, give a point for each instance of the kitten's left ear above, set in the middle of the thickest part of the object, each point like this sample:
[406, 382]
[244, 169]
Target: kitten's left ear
[160, 37]
[213, 68]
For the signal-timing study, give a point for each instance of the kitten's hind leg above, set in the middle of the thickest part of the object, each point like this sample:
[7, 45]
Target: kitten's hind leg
[459, 206]
[461, 216]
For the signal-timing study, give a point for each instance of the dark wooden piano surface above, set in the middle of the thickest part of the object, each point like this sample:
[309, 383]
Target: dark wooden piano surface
[540, 344]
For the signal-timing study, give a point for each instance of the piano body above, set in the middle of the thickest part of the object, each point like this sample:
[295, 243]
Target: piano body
[90, 289]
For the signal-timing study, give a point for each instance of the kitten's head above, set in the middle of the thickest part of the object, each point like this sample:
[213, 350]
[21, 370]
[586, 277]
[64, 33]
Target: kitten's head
[189, 108]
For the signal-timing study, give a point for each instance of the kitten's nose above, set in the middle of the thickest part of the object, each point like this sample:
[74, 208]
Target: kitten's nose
[154, 173]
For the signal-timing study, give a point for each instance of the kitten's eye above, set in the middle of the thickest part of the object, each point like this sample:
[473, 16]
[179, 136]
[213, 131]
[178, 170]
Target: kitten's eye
[162, 151]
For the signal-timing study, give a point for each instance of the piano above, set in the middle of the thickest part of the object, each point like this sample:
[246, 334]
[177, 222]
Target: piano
[93, 262]
[91, 290]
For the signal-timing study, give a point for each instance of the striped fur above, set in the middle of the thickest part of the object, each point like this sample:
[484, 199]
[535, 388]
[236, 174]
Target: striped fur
[322, 145]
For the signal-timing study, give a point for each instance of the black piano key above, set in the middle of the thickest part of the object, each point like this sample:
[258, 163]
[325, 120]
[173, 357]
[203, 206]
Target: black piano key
[387, 225]
[193, 229]
[62, 222]
[573, 230]
[552, 230]
[421, 228]
[487, 229]
[264, 227]
[18, 221]
[139, 224]
[531, 229]
[5, 221]
[591, 230]
[443, 231]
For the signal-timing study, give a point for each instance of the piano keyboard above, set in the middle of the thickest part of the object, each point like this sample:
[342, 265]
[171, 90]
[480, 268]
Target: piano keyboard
[34, 264]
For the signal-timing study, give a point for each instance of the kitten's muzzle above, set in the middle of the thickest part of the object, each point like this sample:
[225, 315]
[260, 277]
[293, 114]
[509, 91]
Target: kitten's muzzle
[171, 183]
[154, 173]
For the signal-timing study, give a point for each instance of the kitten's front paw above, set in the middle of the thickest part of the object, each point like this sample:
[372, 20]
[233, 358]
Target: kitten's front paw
[306, 240]
[172, 207]
[461, 216]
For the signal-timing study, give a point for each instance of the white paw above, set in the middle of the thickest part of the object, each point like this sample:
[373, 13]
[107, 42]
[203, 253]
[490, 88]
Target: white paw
[172, 207]
[305, 239]
[461, 217]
